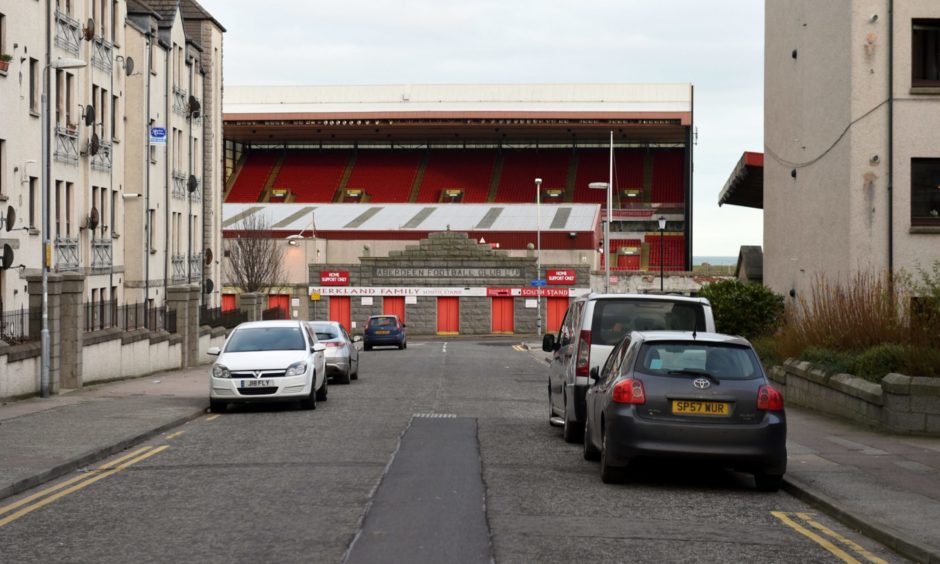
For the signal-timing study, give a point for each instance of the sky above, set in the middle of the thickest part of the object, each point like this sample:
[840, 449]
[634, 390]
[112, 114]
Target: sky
[716, 45]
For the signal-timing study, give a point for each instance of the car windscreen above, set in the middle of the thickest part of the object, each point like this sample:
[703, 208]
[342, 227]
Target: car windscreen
[383, 322]
[615, 318]
[249, 339]
[684, 359]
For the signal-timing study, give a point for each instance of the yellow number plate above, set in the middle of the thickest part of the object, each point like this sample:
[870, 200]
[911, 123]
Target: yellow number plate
[712, 408]
[382, 332]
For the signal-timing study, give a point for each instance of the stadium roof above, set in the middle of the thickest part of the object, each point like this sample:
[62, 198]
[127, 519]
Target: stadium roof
[745, 186]
[640, 113]
[417, 217]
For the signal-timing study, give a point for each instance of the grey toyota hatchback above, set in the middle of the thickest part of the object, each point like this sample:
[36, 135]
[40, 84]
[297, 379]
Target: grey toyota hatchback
[671, 394]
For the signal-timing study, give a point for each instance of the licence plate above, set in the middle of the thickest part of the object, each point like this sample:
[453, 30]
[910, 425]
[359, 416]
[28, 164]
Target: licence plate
[711, 408]
[257, 383]
[382, 332]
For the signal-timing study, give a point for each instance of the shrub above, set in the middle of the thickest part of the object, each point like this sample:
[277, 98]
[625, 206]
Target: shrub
[749, 310]
[875, 363]
[829, 360]
[767, 350]
[921, 361]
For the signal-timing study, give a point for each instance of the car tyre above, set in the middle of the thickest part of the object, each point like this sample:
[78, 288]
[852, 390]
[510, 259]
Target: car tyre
[355, 375]
[590, 451]
[345, 378]
[768, 482]
[322, 392]
[367, 347]
[609, 474]
[310, 402]
[217, 406]
[573, 431]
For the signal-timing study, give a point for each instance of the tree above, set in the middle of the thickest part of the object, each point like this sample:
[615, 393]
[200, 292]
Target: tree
[255, 262]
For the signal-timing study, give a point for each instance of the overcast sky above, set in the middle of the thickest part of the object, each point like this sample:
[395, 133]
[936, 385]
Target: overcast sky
[716, 45]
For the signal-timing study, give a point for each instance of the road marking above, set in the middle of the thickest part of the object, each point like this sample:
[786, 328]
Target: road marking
[838, 552]
[70, 481]
[89, 481]
[444, 349]
[519, 348]
[212, 417]
[807, 517]
[174, 435]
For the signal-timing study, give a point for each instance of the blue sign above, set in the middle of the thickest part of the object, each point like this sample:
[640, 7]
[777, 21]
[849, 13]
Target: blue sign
[158, 136]
[538, 283]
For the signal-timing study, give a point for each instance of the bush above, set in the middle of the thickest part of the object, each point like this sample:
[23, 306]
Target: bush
[767, 351]
[748, 310]
[829, 360]
[875, 363]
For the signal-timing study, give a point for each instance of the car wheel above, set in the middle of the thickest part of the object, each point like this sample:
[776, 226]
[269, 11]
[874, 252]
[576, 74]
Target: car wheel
[590, 451]
[768, 482]
[310, 402]
[355, 375]
[367, 347]
[321, 393]
[217, 406]
[609, 474]
[573, 431]
[344, 379]
[401, 346]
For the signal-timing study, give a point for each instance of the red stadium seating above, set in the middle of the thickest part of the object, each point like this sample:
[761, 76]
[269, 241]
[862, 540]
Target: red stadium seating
[594, 166]
[468, 170]
[674, 247]
[623, 262]
[312, 176]
[386, 176]
[253, 176]
[668, 177]
[521, 168]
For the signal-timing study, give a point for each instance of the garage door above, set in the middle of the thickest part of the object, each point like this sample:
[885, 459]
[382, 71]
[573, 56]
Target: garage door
[448, 316]
[394, 306]
[502, 315]
[556, 313]
[339, 311]
[228, 302]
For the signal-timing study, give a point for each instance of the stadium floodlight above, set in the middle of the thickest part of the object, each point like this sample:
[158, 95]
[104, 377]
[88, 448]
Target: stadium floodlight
[609, 186]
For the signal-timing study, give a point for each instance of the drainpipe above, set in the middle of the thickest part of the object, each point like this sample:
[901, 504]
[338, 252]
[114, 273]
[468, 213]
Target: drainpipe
[168, 176]
[147, 226]
[189, 167]
[891, 145]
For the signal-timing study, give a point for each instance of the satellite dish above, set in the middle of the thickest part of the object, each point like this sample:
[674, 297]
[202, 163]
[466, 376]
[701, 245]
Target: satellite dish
[192, 183]
[208, 286]
[93, 144]
[89, 115]
[9, 219]
[194, 105]
[89, 30]
[93, 218]
[7, 260]
[208, 256]
[129, 65]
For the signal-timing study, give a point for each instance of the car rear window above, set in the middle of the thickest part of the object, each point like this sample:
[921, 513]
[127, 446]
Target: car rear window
[326, 332]
[615, 318]
[250, 339]
[725, 362]
[383, 322]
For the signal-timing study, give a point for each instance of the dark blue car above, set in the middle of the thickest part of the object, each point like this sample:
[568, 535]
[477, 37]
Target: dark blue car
[384, 330]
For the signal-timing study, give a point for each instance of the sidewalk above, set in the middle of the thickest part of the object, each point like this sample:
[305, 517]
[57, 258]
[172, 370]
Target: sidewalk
[886, 486]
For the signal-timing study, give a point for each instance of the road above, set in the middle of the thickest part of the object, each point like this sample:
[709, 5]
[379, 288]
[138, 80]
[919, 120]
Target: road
[441, 452]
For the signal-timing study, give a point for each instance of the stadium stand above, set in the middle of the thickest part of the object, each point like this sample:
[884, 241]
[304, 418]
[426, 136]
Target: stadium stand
[385, 176]
[594, 166]
[623, 261]
[467, 170]
[312, 176]
[674, 247]
[668, 182]
[254, 175]
[520, 168]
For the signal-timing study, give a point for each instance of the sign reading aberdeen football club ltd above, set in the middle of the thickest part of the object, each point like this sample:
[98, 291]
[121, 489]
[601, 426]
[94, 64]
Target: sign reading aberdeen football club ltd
[334, 278]
[560, 276]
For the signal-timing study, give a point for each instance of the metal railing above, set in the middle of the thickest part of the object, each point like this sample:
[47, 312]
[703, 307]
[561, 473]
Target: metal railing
[195, 267]
[66, 144]
[101, 54]
[14, 325]
[102, 254]
[196, 195]
[102, 159]
[180, 103]
[216, 317]
[180, 190]
[179, 268]
[68, 32]
[67, 254]
[109, 315]
[274, 313]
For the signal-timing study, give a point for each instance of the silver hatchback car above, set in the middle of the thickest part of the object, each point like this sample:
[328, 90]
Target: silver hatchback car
[342, 352]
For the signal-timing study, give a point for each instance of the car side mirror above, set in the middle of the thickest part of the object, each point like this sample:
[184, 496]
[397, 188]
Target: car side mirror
[214, 351]
[318, 347]
[548, 343]
[356, 338]
[403, 326]
[595, 373]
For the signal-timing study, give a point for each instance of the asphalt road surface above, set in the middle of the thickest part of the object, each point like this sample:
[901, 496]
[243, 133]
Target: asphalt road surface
[439, 453]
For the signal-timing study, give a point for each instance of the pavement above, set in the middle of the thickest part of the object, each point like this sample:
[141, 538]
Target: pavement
[885, 486]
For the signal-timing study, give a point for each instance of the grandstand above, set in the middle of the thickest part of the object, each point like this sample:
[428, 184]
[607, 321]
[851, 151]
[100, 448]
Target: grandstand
[479, 145]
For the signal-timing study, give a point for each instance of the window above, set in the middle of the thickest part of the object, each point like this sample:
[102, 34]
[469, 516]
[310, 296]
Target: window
[33, 192]
[94, 201]
[925, 191]
[151, 216]
[34, 86]
[925, 53]
[69, 92]
[59, 97]
[3, 168]
[3, 27]
[114, 196]
[68, 208]
[58, 209]
[114, 117]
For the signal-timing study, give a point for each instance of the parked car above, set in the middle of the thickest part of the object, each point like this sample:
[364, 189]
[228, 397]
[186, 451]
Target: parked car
[701, 396]
[268, 361]
[592, 326]
[342, 354]
[384, 330]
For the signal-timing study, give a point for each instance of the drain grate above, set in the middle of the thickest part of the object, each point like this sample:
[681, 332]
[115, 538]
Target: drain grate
[435, 415]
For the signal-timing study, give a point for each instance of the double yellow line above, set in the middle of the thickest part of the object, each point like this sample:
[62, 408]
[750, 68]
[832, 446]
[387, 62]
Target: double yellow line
[520, 348]
[14, 511]
[807, 518]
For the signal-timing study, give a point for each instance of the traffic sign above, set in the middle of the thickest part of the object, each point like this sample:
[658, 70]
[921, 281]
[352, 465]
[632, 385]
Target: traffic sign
[537, 283]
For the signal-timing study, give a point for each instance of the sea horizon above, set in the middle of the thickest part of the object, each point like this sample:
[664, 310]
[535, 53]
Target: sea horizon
[715, 260]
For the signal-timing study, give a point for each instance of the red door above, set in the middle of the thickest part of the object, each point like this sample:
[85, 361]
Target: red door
[339, 310]
[448, 316]
[556, 313]
[282, 302]
[228, 302]
[503, 315]
[394, 306]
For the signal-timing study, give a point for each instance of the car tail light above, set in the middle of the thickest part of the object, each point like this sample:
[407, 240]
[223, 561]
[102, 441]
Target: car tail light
[335, 344]
[583, 363]
[769, 399]
[629, 391]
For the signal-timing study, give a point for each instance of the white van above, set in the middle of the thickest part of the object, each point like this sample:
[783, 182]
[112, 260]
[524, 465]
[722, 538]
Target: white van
[593, 325]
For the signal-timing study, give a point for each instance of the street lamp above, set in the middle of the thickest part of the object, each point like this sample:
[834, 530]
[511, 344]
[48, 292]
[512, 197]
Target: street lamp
[59, 63]
[662, 247]
[538, 255]
[609, 186]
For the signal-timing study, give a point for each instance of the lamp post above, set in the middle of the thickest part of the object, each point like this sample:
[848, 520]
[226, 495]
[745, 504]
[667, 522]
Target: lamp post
[609, 186]
[60, 63]
[295, 239]
[538, 255]
[662, 253]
